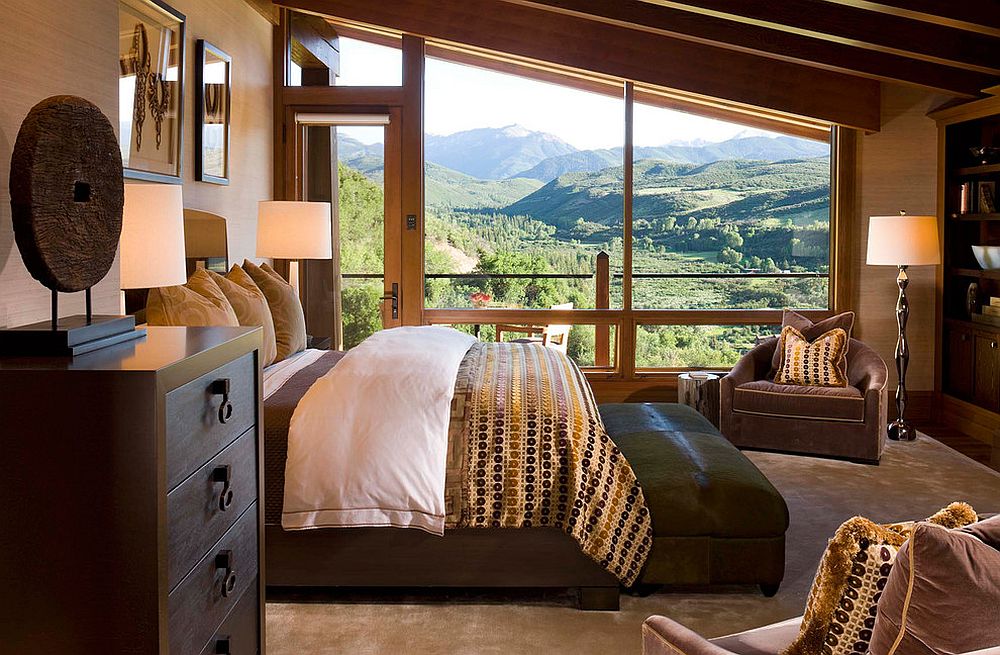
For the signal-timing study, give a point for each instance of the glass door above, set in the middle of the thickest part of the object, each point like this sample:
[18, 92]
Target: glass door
[351, 160]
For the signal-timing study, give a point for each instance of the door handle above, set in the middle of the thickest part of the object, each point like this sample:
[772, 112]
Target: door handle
[394, 297]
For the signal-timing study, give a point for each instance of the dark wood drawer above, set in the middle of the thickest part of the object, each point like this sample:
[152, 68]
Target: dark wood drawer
[198, 606]
[239, 633]
[195, 515]
[195, 432]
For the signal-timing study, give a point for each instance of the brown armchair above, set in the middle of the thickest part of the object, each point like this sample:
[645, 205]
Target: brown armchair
[845, 422]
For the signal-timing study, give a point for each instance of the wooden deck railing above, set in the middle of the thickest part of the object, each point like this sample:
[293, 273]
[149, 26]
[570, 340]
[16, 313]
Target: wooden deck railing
[603, 278]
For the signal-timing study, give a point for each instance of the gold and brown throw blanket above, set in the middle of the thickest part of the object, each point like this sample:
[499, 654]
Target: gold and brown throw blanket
[527, 448]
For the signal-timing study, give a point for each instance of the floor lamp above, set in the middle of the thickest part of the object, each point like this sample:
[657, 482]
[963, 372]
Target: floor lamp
[294, 230]
[902, 241]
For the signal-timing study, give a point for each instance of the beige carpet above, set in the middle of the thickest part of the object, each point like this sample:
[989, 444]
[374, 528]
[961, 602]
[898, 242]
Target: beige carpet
[914, 480]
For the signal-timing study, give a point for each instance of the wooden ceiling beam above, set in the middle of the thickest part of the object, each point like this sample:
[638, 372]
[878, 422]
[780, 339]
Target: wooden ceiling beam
[860, 27]
[883, 66]
[980, 16]
[625, 53]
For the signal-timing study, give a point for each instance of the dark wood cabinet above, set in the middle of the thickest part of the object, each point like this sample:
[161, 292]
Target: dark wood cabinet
[959, 361]
[969, 372]
[986, 378]
[130, 510]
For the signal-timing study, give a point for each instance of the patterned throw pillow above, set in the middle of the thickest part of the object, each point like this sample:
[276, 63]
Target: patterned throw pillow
[250, 305]
[810, 331]
[820, 363]
[843, 603]
[199, 303]
[286, 310]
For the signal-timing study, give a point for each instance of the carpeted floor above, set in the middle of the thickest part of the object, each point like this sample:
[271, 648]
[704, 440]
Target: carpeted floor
[914, 480]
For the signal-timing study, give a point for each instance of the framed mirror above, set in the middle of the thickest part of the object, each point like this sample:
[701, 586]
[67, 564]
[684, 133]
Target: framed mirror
[213, 80]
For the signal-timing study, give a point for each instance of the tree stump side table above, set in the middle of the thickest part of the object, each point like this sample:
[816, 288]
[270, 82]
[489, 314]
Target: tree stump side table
[701, 392]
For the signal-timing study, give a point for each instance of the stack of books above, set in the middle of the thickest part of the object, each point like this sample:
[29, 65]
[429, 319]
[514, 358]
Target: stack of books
[990, 313]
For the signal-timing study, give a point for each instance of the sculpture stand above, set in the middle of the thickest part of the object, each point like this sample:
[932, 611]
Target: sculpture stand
[70, 336]
[901, 429]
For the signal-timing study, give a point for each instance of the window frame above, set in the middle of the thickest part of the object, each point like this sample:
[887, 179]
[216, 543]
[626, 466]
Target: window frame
[622, 380]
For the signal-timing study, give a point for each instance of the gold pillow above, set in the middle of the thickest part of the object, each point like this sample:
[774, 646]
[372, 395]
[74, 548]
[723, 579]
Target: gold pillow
[250, 305]
[286, 310]
[199, 303]
[820, 363]
[843, 602]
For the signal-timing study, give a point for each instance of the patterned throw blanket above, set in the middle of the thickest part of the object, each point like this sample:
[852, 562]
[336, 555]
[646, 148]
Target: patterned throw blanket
[527, 448]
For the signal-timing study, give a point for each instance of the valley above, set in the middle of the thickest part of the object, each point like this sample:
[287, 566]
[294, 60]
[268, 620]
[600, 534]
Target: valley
[748, 206]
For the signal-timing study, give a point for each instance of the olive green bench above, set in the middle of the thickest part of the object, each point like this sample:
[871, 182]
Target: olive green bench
[716, 519]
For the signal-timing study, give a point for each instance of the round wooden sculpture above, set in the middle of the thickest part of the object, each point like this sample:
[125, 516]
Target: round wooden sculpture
[66, 193]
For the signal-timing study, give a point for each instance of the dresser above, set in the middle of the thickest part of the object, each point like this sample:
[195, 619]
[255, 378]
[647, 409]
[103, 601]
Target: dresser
[130, 510]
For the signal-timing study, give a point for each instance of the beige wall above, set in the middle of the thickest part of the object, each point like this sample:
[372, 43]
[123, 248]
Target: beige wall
[50, 47]
[236, 28]
[898, 171]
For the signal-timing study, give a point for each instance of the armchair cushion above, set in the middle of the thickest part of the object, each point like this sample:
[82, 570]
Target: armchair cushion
[810, 331]
[662, 636]
[766, 398]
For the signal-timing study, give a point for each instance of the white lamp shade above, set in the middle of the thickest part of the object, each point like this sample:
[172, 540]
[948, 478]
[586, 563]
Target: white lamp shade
[294, 230]
[903, 241]
[152, 241]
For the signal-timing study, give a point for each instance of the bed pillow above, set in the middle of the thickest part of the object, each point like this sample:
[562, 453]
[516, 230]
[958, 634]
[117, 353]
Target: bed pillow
[821, 362]
[842, 604]
[250, 305]
[810, 330]
[286, 310]
[941, 597]
[198, 303]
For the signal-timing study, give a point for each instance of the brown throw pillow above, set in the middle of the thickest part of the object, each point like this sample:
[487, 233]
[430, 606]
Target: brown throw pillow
[943, 596]
[840, 611]
[820, 363]
[810, 330]
[286, 310]
[250, 305]
[987, 530]
[200, 302]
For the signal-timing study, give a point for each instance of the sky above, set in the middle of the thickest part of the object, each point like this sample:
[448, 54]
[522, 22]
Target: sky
[462, 97]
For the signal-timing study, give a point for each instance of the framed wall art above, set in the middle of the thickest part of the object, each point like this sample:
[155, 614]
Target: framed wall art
[150, 89]
[213, 80]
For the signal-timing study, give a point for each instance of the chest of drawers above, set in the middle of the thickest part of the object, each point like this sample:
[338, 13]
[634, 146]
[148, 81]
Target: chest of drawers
[130, 509]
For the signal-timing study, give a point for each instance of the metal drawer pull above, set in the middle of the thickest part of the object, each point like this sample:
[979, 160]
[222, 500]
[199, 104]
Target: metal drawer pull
[223, 646]
[224, 475]
[221, 388]
[224, 560]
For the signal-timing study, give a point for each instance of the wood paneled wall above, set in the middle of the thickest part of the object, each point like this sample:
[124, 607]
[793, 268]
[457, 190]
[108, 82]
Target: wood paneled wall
[898, 171]
[50, 47]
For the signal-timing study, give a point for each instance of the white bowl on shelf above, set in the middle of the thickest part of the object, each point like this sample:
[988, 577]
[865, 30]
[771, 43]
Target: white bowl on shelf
[987, 256]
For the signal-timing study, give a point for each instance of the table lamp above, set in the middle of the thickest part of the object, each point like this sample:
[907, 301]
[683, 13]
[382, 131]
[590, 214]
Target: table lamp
[294, 230]
[152, 241]
[902, 241]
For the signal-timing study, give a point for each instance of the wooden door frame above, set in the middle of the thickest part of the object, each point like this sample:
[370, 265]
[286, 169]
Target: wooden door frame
[393, 224]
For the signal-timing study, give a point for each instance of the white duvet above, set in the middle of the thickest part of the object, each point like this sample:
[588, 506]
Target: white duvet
[367, 443]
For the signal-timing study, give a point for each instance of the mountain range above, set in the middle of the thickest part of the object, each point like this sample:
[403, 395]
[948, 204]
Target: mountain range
[516, 152]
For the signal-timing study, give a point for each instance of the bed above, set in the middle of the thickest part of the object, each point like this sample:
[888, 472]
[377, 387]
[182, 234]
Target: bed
[516, 548]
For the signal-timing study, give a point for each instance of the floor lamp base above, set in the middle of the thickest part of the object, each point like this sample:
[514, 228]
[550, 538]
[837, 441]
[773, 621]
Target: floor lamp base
[902, 430]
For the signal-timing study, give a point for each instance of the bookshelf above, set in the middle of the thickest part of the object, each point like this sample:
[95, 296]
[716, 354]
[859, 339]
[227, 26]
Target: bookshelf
[969, 338]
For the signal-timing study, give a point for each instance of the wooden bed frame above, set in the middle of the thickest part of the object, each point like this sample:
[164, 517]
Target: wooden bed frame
[467, 557]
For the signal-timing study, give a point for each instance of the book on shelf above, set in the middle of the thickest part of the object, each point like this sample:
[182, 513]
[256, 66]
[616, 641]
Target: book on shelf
[965, 198]
[987, 319]
[987, 197]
